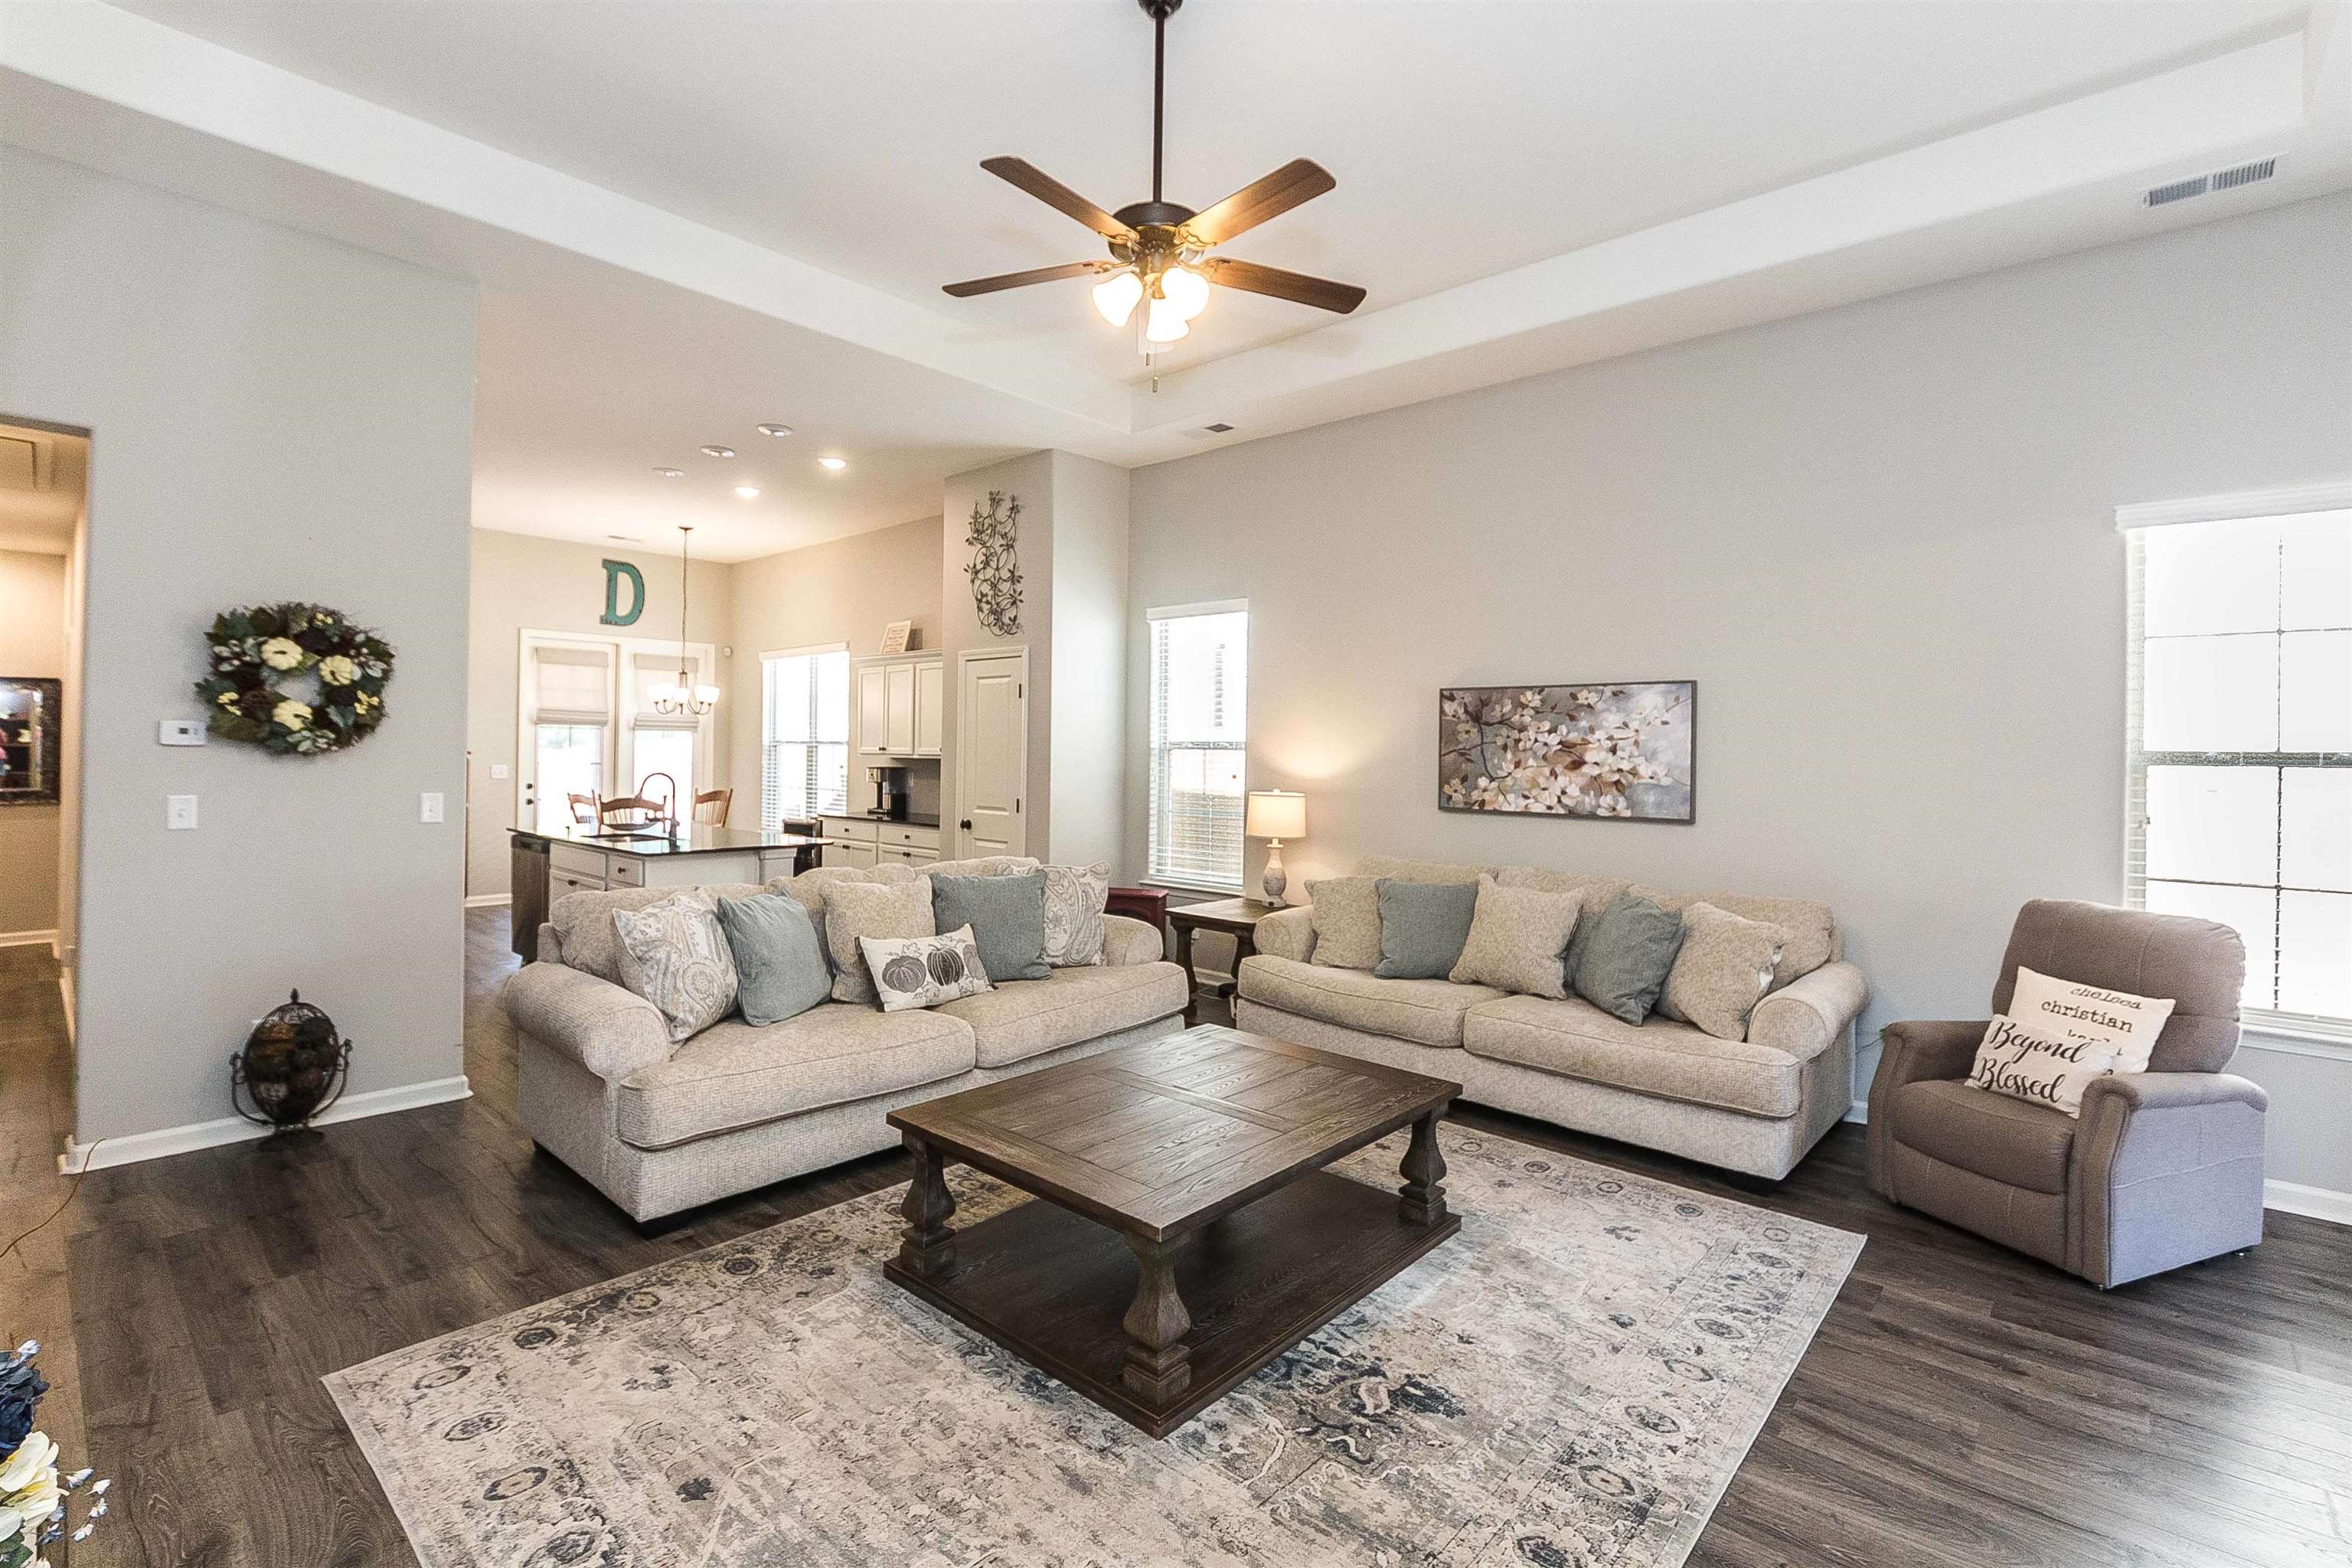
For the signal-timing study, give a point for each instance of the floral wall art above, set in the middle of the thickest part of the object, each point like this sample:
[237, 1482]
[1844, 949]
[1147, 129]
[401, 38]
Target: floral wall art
[1569, 750]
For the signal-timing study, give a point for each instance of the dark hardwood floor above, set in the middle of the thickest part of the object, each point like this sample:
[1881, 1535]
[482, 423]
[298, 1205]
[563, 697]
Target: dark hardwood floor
[1961, 1408]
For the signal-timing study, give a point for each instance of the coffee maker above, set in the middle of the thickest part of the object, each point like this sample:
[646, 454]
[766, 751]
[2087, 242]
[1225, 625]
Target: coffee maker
[889, 792]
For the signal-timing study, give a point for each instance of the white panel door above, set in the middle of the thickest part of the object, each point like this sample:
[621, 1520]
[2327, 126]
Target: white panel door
[873, 710]
[992, 754]
[930, 696]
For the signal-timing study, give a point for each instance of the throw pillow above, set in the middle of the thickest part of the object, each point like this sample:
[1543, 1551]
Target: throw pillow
[780, 968]
[1346, 921]
[1725, 967]
[2065, 1010]
[924, 971]
[674, 954]
[1075, 897]
[2024, 1063]
[856, 911]
[1624, 962]
[1424, 926]
[1006, 916]
[1517, 937]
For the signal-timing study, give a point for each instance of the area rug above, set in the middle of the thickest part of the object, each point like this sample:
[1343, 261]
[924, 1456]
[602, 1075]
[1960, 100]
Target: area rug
[1571, 1381]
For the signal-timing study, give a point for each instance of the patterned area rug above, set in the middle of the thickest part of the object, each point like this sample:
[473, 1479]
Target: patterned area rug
[1571, 1381]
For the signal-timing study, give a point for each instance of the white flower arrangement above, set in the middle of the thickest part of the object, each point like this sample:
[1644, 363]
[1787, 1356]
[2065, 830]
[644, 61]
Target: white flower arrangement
[33, 1496]
[282, 653]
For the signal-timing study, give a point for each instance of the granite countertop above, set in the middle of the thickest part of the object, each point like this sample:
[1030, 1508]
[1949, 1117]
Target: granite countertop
[692, 839]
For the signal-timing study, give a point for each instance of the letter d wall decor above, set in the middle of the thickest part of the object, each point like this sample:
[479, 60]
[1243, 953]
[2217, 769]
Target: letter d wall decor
[614, 571]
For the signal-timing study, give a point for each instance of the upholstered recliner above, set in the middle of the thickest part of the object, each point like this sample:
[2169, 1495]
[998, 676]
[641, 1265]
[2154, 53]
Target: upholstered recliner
[2164, 1167]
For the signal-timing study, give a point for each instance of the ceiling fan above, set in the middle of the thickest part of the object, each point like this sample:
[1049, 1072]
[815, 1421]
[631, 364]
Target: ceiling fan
[1159, 249]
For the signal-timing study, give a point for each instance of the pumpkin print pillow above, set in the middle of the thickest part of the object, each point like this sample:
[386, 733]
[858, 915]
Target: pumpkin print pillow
[924, 971]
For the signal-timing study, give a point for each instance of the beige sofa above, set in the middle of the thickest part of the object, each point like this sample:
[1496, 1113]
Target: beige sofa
[1754, 1105]
[661, 1128]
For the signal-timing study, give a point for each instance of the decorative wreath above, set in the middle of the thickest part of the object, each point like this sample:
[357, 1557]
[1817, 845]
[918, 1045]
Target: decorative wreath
[256, 646]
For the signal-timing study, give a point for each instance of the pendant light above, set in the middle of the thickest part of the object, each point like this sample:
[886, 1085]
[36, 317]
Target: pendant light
[680, 696]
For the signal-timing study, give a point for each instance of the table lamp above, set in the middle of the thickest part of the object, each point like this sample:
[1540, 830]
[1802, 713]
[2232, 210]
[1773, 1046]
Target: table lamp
[1274, 814]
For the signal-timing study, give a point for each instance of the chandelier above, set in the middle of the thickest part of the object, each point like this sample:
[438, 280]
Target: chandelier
[682, 696]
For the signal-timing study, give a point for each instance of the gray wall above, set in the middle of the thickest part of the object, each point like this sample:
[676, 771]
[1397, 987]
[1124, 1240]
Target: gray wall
[1880, 538]
[274, 415]
[32, 644]
[1088, 802]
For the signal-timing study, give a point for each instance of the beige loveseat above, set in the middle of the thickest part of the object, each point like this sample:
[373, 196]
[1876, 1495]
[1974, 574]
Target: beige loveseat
[1754, 1105]
[660, 1128]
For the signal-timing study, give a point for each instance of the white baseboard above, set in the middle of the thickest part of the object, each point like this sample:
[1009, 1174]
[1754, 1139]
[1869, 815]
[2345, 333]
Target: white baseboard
[165, 1141]
[488, 900]
[2318, 1203]
[48, 939]
[66, 1000]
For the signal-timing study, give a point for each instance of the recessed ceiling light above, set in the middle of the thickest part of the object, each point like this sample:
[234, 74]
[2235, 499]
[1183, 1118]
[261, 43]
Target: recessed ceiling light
[747, 491]
[669, 474]
[719, 451]
[835, 463]
[775, 429]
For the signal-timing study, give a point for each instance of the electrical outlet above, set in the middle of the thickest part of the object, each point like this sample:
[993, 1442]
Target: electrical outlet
[428, 807]
[179, 813]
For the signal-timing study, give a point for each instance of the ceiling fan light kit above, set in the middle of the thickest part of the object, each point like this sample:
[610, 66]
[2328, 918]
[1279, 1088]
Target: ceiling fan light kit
[1159, 249]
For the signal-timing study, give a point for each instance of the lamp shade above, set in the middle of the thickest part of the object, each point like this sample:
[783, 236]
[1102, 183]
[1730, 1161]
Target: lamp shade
[1275, 814]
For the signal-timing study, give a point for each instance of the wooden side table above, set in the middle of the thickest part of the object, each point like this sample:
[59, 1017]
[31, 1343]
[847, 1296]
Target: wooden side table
[1237, 917]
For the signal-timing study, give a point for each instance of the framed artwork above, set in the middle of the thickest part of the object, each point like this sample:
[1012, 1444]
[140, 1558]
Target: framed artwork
[1624, 752]
[29, 724]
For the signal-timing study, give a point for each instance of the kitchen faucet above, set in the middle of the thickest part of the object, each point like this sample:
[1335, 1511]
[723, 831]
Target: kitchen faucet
[669, 802]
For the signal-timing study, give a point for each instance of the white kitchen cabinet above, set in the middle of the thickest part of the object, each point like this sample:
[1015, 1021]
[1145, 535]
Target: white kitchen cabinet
[931, 698]
[873, 710]
[902, 706]
[898, 697]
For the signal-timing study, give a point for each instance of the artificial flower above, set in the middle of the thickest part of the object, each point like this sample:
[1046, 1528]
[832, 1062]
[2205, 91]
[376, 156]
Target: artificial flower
[337, 670]
[35, 1457]
[227, 700]
[293, 715]
[281, 653]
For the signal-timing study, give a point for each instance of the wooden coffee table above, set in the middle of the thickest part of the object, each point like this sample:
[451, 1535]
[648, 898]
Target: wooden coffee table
[1187, 1232]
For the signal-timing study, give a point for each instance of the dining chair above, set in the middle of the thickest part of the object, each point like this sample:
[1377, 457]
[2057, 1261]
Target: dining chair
[711, 806]
[636, 809]
[584, 808]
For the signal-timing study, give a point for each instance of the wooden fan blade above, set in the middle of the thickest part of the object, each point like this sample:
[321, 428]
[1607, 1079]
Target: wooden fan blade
[1319, 292]
[1055, 195]
[1300, 180]
[1022, 280]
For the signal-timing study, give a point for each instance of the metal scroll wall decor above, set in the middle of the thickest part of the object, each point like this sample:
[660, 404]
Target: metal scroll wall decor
[994, 572]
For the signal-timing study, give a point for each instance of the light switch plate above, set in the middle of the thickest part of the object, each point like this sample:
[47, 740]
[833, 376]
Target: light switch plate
[428, 805]
[498, 770]
[179, 813]
[180, 733]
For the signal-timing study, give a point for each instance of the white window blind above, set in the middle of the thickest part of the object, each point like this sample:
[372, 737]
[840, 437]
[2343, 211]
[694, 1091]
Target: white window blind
[1199, 742]
[573, 685]
[804, 750]
[656, 669]
[2239, 804]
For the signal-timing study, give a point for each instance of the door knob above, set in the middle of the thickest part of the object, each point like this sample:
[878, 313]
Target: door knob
[965, 825]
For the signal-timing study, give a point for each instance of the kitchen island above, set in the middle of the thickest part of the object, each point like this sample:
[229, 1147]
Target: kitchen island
[548, 864]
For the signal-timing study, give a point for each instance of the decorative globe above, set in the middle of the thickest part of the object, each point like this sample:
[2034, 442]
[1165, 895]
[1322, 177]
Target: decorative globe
[293, 1067]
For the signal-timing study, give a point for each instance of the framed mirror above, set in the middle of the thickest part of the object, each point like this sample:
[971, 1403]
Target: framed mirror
[29, 719]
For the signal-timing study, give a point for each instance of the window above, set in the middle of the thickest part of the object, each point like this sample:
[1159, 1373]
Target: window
[571, 705]
[669, 752]
[804, 753]
[660, 742]
[2240, 805]
[1200, 738]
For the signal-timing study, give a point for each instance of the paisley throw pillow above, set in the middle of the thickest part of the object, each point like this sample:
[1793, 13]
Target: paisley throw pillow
[675, 955]
[924, 971]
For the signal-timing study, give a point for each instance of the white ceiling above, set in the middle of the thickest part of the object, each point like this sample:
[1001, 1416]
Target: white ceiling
[1468, 138]
[691, 217]
[41, 501]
